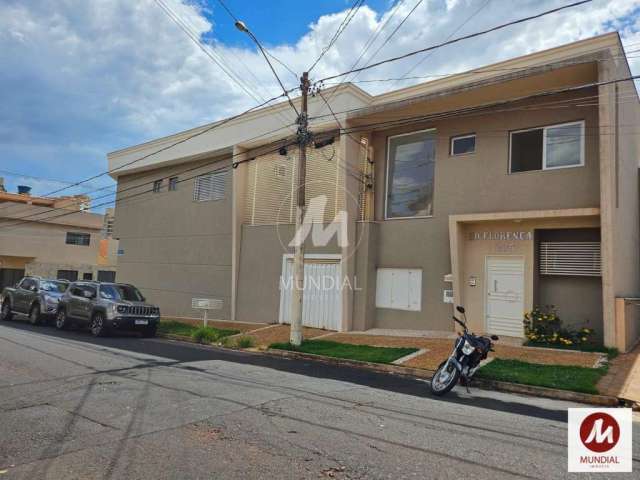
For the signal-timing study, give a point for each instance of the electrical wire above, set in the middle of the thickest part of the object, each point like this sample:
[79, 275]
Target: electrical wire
[172, 174]
[345, 23]
[460, 27]
[456, 40]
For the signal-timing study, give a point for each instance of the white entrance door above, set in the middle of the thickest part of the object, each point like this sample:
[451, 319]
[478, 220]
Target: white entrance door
[505, 296]
[321, 307]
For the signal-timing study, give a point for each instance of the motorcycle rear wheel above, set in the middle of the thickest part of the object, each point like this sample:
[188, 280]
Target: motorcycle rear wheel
[444, 379]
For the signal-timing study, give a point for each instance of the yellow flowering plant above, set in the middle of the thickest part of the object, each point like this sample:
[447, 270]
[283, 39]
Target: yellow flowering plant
[543, 326]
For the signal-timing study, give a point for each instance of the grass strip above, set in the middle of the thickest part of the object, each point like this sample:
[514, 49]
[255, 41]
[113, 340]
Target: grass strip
[200, 334]
[363, 353]
[575, 379]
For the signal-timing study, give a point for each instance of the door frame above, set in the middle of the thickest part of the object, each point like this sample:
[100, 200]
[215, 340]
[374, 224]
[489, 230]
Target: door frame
[486, 284]
[312, 256]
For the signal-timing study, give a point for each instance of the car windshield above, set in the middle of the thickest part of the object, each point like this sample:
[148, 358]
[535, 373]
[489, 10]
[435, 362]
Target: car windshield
[51, 286]
[121, 292]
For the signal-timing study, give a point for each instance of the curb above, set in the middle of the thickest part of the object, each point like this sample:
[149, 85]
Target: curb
[424, 374]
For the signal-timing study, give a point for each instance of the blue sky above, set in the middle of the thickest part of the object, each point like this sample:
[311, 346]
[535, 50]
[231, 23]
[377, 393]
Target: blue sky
[81, 78]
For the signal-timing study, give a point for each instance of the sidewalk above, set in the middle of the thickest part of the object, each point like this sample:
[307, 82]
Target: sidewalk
[623, 378]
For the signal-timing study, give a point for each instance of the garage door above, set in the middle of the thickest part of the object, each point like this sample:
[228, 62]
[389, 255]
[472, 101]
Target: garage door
[321, 307]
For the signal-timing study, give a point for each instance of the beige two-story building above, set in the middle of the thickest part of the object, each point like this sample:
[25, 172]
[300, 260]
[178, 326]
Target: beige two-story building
[53, 238]
[501, 188]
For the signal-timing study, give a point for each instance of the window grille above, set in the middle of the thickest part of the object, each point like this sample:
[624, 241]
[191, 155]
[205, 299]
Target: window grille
[570, 258]
[211, 186]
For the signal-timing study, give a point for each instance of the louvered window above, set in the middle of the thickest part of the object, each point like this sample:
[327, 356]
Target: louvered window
[570, 258]
[271, 179]
[211, 186]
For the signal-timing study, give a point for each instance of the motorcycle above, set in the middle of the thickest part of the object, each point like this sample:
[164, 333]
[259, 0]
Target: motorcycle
[468, 351]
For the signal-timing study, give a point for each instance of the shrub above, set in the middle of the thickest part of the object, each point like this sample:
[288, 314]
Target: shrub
[544, 326]
[205, 335]
[245, 342]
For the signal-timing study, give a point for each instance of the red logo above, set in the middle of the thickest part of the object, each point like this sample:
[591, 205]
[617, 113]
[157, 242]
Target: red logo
[599, 432]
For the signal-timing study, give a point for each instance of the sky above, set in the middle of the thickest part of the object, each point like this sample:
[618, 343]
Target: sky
[81, 78]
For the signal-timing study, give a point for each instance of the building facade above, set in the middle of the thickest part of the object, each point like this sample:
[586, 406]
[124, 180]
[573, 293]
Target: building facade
[502, 188]
[53, 238]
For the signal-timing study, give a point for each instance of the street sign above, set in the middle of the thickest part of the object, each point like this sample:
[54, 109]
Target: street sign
[206, 304]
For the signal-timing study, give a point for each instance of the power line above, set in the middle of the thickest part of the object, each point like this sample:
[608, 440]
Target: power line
[155, 152]
[488, 105]
[459, 39]
[34, 177]
[375, 35]
[235, 19]
[479, 70]
[390, 36]
[345, 23]
[137, 194]
[196, 40]
[460, 27]
[190, 169]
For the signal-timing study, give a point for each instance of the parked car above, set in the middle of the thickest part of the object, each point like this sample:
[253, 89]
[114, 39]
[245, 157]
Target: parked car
[107, 306]
[33, 296]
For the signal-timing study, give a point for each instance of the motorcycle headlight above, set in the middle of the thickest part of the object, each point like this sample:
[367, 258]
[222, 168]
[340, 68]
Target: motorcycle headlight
[467, 348]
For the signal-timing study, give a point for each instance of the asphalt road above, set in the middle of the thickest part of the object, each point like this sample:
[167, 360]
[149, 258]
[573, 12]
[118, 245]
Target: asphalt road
[74, 407]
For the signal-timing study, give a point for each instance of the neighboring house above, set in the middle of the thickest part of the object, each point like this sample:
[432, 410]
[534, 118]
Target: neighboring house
[503, 188]
[33, 242]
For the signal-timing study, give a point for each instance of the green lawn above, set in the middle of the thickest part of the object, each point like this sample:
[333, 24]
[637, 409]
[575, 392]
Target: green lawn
[201, 334]
[364, 353]
[576, 379]
[176, 328]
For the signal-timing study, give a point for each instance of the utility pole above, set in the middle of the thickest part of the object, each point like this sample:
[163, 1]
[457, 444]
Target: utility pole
[297, 294]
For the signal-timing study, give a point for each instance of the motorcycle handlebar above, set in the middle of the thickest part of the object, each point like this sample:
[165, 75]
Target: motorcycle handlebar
[462, 324]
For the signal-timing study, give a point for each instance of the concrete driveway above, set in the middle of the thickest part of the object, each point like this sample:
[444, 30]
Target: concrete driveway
[76, 407]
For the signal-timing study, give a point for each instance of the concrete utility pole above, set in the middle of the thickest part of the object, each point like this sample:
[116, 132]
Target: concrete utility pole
[297, 294]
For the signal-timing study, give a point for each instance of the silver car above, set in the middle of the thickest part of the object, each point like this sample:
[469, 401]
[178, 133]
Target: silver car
[105, 307]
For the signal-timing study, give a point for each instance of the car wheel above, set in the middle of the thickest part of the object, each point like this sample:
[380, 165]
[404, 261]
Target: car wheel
[34, 315]
[6, 313]
[61, 320]
[98, 326]
[150, 332]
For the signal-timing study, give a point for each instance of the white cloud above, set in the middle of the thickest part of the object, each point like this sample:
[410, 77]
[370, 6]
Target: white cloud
[110, 73]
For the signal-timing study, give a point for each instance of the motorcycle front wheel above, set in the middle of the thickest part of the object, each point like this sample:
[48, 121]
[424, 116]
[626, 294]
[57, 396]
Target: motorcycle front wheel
[445, 378]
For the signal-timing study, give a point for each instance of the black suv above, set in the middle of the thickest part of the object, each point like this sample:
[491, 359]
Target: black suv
[107, 306]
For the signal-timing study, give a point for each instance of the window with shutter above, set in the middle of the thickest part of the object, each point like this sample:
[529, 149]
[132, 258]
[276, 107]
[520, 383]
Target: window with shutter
[211, 186]
[570, 258]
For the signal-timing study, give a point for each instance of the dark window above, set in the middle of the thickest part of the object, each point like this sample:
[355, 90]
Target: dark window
[87, 276]
[121, 292]
[526, 150]
[28, 284]
[463, 144]
[548, 148]
[71, 275]
[78, 238]
[53, 286]
[89, 291]
[173, 183]
[76, 291]
[106, 276]
[410, 172]
[157, 185]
